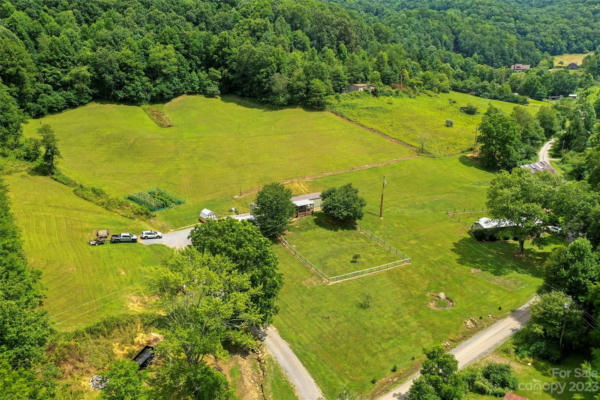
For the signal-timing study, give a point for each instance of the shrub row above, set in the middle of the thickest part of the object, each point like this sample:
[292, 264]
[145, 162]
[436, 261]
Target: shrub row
[121, 207]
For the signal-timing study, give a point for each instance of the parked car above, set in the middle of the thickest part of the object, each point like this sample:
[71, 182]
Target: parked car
[151, 235]
[123, 238]
[97, 242]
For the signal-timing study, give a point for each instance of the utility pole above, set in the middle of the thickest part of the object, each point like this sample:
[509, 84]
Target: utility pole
[562, 333]
[381, 205]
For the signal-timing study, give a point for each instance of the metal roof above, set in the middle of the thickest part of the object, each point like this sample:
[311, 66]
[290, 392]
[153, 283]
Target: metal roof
[308, 196]
[300, 203]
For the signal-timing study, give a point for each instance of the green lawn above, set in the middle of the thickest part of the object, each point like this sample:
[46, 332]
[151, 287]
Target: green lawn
[343, 344]
[421, 121]
[215, 149]
[541, 380]
[83, 283]
[565, 59]
[331, 247]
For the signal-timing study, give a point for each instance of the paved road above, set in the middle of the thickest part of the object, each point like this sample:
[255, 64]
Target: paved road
[176, 239]
[306, 388]
[544, 154]
[477, 347]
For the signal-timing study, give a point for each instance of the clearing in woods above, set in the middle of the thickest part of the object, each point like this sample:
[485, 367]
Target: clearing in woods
[565, 59]
[216, 148]
[421, 121]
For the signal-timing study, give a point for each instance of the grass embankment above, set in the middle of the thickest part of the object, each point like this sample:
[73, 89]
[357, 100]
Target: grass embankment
[343, 344]
[421, 121]
[541, 380]
[214, 150]
[83, 283]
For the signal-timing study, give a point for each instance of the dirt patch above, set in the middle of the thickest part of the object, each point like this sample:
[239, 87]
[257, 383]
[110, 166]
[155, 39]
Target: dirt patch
[139, 303]
[247, 374]
[312, 282]
[439, 301]
[157, 115]
[324, 174]
[475, 270]
[471, 323]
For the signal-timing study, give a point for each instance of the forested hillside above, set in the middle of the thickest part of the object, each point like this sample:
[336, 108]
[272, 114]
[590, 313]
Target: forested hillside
[55, 55]
[493, 32]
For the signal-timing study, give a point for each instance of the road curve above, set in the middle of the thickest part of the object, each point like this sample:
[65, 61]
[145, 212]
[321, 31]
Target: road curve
[544, 153]
[305, 386]
[476, 347]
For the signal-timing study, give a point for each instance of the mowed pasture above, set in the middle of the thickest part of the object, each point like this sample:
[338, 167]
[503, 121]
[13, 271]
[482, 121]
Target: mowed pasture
[421, 121]
[215, 149]
[565, 59]
[83, 283]
[334, 248]
[345, 345]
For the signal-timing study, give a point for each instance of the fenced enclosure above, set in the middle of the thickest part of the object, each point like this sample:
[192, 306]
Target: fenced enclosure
[155, 199]
[331, 279]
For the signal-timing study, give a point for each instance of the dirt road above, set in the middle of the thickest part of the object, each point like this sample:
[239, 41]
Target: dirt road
[305, 386]
[544, 154]
[477, 347]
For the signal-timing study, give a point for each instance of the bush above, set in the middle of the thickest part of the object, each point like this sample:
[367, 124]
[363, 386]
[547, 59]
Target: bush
[343, 203]
[449, 123]
[494, 379]
[65, 180]
[469, 109]
[121, 207]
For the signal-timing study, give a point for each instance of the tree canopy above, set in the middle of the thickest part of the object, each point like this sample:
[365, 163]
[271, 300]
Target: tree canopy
[251, 254]
[273, 209]
[343, 203]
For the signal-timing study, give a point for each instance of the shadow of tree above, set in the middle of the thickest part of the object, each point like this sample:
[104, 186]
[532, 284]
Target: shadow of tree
[326, 222]
[499, 258]
[468, 162]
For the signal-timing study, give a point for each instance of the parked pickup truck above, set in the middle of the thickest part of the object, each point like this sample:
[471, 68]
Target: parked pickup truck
[151, 235]
[123, 238]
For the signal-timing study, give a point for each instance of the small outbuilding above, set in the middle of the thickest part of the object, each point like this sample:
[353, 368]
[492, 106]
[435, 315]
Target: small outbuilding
[207, 214]
[539, 167]
[573, 96]
[520, 67]
[573, 66]
[359, 87]
[307, 204]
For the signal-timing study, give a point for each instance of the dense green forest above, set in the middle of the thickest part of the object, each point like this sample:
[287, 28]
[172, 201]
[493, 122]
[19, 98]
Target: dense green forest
[55, 55]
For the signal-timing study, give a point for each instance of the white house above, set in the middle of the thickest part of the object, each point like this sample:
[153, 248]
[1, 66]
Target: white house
[207, 214]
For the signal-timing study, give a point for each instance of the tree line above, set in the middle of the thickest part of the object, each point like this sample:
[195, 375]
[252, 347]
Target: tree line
[24, 327]
[56, 55]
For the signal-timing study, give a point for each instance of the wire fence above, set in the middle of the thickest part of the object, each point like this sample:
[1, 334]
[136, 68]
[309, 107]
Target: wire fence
[465, 216]
[384, 244]
[303, 259]
[354, 274]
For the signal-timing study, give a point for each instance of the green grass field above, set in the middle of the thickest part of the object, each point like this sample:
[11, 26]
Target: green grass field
[421, 121]
[343, 344]
[214, 150]
[565, 59]
[331, 247]
[540, 380]
[83, 283]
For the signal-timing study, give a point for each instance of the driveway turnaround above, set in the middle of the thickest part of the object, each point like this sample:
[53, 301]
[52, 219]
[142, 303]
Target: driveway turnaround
[477, 347]
[305, 386]
[544, 154]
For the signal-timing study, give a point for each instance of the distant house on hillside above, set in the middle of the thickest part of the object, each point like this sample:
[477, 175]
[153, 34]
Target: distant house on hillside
[539, 167]
[573, 66]
[573, 96]
[520, 67]
[359, 87]
[307, 204]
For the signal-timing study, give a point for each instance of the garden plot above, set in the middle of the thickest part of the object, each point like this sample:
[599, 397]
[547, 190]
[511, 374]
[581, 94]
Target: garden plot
[338, 252]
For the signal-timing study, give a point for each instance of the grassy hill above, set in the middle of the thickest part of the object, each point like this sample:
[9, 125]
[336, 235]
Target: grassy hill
[421, 121]
[83, 283]
[565, 59]
[214, 150]
[343, 344]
